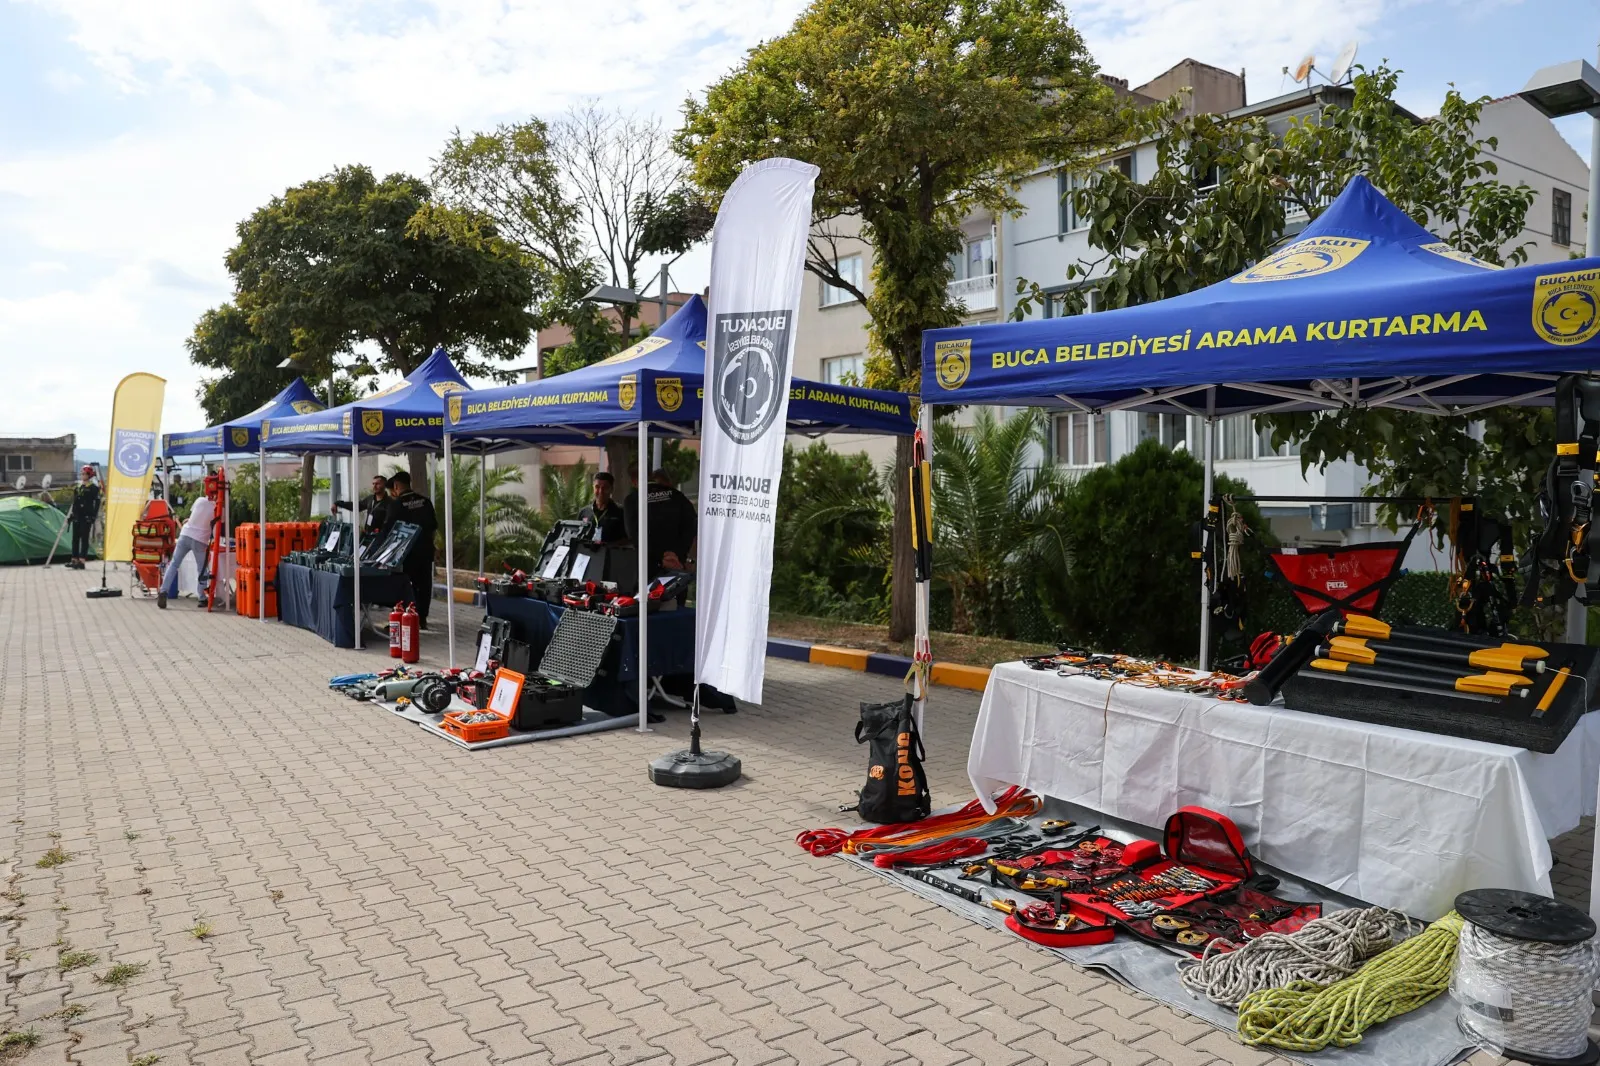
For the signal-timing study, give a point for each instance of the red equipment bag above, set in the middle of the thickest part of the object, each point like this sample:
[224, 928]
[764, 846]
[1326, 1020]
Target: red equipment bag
[1197, 836]
[1353, 578]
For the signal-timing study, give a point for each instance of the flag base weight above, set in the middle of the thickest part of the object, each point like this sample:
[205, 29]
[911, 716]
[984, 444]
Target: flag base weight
[689, 769]
[102, 593]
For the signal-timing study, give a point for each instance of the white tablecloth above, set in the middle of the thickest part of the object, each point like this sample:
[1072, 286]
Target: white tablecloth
[1392, 816]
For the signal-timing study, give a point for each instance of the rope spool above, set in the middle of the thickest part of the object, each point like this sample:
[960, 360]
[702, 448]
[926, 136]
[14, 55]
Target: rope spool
[1523, 976]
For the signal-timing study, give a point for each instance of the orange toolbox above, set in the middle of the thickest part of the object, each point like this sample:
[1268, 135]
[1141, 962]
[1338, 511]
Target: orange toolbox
[473, 732]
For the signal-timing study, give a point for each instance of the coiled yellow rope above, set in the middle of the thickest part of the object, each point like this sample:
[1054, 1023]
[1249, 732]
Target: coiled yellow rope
[1306, 1017]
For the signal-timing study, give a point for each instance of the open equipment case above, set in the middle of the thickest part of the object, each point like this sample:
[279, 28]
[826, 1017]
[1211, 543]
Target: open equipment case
[552, 693]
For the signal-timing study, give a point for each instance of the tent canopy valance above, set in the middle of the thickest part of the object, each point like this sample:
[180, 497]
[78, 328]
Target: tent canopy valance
[243, 434]
[660, 380]
[1363, 308]
[407, 415]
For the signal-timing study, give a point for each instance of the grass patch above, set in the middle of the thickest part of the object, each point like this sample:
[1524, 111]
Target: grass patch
[55, 836]
[120, 974]
[13, 895]
[130, 835]
[52, 858]
[145, 1060]
[16, 1044]
[16, 954]
[72, 959]
[948, 647]
[145, 891]
[68, 1013]
[201, 930]
[276, 896]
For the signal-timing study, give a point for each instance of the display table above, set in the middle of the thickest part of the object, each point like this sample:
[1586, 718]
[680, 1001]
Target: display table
[320, 600]
[671, 634]
[1396, 817]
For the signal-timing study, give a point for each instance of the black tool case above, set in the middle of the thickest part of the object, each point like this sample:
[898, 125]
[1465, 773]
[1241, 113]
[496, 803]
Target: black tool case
[1512, 720]
[552, 695]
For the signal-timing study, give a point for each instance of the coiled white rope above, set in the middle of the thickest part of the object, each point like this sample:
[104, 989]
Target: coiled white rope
[1322, 951]
[1523, 995]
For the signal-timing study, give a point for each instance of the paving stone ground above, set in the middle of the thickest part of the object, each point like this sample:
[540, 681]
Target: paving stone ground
[286, 876]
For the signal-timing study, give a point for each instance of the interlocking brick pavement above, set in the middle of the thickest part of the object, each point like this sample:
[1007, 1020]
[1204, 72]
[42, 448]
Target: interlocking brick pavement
[376, 895]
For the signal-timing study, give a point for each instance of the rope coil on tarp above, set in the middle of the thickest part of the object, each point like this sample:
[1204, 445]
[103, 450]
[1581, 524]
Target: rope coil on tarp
[1321, 952]
[1524, 997]
[1307, 1017]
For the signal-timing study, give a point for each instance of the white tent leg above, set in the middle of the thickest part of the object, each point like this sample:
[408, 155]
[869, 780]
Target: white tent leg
[226, 547]
[261, 536]
[355, 542]
[450, 547]
[923, 641]
[482, 512]
[641, 490]
[1208, 434]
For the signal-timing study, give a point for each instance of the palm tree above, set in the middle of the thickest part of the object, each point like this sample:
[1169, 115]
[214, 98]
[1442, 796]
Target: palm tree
[509, 523]
[567, 490]
[995, 514]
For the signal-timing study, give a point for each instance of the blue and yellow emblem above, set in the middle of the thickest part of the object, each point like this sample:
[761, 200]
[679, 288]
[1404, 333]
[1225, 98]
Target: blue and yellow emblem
[344, 423]
[372, 423]
[241, 437]
[669, 393]
[1566, 307]
[307, 407]
[455, 409]
[1305, 259]
[952, 362]
[1440, 248]
[266, 429]
[445, 388]
[627, 390]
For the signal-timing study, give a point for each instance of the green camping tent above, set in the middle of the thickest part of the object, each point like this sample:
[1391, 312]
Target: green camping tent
[27, 529]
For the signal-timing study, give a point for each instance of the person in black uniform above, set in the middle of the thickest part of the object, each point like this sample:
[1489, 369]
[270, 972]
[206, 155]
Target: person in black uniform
[85, 509]
[408, 506]
[673, 524]
[610, 526]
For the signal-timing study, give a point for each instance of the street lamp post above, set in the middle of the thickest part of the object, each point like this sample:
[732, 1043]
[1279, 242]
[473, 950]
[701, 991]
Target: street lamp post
[1568, 89]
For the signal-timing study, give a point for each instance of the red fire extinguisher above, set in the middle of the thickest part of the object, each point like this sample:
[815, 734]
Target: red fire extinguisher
[394, 632]
[410, 635]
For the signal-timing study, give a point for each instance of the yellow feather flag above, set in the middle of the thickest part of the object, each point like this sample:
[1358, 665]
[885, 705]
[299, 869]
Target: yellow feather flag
[135, 428]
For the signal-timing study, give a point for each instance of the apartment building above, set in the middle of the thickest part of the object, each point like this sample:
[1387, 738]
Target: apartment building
[1039, 242]
[28, 459]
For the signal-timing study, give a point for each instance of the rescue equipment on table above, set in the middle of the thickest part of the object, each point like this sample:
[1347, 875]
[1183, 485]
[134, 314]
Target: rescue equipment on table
[1224, 536]
[1563, 549]
[1142, 673]
[1524, 694]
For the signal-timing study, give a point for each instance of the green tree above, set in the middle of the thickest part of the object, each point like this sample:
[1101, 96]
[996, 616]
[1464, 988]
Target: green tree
[567, 490]
[348, 259]
[832, 537]
[917, 114]
[996, 515]
[1221, 198]
[508, 522]
[1130, 584]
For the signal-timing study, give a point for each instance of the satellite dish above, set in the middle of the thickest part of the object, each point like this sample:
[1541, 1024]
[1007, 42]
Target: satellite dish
[45, 484]
[1341, 66]
[1303, 71]
[21, 482]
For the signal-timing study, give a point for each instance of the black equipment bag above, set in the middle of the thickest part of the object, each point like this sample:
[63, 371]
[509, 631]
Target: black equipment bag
[897, 788]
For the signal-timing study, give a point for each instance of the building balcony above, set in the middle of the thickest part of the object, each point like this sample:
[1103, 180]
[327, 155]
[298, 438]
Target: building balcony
[975, 294]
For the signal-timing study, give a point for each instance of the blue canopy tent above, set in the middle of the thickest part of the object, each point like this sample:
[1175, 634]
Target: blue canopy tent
[1364, 308]
[657, 385]
[241, 435]
[408, 415]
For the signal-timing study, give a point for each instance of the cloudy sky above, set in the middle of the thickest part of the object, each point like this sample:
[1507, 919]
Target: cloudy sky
[134, 136]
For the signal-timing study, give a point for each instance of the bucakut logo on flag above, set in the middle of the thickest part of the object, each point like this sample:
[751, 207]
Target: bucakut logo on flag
[134, 450]
[749, 371]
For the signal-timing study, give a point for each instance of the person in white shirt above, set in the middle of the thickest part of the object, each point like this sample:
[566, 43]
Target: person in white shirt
[193, 539]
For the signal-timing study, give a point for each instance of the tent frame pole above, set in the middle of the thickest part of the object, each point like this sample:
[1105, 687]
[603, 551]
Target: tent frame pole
[482, 513]
[450, 544]
[1208, 445]
[355, 542]
[641, 492]
[924, 589]
[261, 532]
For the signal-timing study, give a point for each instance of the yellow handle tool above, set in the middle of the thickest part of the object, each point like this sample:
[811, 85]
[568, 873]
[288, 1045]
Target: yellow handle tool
[1491, 684]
